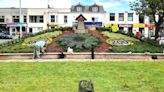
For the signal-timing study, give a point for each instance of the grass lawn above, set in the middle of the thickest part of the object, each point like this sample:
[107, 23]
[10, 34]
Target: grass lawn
[64, 76]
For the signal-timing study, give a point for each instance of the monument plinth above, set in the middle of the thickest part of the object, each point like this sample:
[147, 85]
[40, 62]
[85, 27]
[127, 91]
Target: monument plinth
[80, 24]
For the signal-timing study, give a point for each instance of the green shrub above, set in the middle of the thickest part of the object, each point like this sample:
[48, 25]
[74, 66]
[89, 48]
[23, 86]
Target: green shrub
[79, 37]
[79, 42]
[16, 48]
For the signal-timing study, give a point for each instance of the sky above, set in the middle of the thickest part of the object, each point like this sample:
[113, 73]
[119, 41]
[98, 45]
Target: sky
[109, 5]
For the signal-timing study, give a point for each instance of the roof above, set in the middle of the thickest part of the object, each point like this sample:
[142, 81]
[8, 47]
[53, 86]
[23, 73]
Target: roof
[87, 8]
[81, 16]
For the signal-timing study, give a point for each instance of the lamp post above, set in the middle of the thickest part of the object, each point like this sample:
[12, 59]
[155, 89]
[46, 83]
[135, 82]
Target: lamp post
[20, 20]
[48, 7]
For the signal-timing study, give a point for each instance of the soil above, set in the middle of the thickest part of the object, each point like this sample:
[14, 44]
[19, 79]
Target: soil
[54, 46]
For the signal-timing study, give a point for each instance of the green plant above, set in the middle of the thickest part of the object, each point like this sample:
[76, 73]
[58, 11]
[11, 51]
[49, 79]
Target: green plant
[79, 37]
[78, 42]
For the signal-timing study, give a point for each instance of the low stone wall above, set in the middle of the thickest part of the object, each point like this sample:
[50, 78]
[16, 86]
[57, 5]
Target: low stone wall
[132, 56]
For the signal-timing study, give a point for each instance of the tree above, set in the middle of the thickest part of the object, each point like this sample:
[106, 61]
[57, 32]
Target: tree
[151, 8]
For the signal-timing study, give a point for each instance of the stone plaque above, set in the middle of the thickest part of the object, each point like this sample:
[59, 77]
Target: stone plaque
[86, 86]
[80, 24]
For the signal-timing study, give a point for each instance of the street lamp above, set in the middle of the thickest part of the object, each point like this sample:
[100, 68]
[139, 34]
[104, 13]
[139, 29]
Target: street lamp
[20, 20]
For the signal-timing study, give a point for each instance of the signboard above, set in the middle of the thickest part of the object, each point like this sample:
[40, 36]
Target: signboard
[53, 25]
[90, 23]
[125, 25]
[93, 23]
[139, 25]
[15, 24]
[120, 42]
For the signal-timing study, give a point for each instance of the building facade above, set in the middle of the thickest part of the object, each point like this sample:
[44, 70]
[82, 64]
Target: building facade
[37, 19]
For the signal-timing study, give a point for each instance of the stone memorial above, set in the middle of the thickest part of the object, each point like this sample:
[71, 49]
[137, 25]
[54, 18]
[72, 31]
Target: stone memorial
[86, 86]
[80, 24]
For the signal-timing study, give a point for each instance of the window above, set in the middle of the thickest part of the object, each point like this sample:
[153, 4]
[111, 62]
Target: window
[95, 9]
[65, 19]
[52, 18]
[130, 16]
[141, 19]
[24, 19]
[36, 19]
[78, 9]
[30, 30]
[121, 16]
[41, 19]
[121, 28]
[2, 18]
[15, 19]
[23, 29]
[112, 16]
[52, 27]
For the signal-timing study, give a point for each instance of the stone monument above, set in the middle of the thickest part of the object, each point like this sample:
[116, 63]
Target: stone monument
[86, 86]
[80, 24]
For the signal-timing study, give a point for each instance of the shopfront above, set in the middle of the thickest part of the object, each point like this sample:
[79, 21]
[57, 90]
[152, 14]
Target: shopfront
[125, 27]
[139, 28]
[4, 29]
[14, 28]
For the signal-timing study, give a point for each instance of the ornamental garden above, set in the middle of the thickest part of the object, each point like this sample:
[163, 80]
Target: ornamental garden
[83, 38]
[102, 39]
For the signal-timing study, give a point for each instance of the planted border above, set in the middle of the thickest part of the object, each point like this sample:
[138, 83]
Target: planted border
[137, 46]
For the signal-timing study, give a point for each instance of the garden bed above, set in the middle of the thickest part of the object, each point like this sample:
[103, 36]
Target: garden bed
[104, 44]
[135, 46]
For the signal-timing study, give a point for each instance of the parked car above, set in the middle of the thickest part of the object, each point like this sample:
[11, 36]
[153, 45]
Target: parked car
[4, 36]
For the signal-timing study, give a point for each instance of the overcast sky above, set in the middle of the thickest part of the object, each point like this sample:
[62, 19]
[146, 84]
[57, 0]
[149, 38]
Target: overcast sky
[109, 5]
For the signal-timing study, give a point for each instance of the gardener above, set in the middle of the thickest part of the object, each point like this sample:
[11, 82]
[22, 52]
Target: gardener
[39, 48]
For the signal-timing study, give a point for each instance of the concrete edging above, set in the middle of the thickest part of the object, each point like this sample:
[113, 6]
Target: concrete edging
[86, 55]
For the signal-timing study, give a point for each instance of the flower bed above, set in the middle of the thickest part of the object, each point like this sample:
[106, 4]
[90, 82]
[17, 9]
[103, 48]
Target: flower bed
[45, 37]
[135, 45]
[27, 45]
[79, 42]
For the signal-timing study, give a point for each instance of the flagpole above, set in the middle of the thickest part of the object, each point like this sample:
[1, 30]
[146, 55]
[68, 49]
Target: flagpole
[20, 19]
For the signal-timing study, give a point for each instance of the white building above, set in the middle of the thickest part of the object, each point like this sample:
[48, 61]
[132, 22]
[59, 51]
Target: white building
[9, 20]
[128, 21]
[38, 19]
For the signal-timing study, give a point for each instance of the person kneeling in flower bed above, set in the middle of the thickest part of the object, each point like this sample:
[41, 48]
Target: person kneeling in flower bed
[39, 47]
